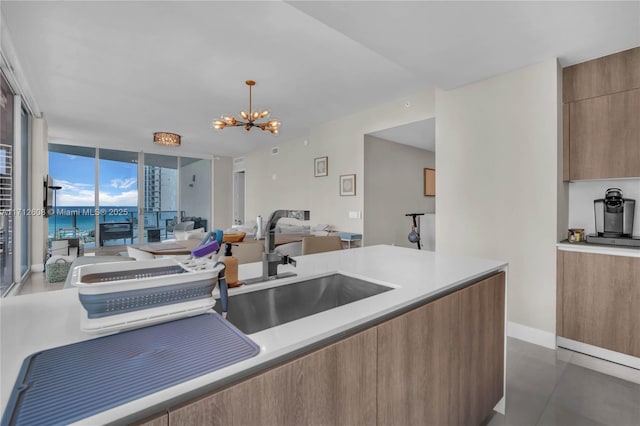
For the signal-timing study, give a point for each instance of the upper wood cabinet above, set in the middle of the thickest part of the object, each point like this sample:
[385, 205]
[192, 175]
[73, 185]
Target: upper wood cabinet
[603, 76]
[605, 136]
[601, 128]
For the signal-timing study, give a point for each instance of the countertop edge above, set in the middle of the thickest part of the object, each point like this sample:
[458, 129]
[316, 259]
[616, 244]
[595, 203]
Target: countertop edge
[598, 249]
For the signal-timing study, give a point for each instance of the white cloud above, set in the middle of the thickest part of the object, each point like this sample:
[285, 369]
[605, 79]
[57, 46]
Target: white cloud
[72, 186]
[123, 183]
[127, 198]
[75, 198]
[74, 193]
[82, 194]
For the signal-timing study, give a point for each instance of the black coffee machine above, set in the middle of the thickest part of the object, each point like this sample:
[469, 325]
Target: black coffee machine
[614, 220]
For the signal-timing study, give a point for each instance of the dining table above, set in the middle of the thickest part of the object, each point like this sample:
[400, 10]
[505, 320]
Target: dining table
[183, 247]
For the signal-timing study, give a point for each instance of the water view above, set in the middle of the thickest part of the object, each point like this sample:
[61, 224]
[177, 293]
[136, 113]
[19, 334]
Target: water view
[79, 221]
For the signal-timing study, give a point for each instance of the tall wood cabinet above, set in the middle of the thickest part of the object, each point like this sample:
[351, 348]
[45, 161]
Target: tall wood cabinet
[441, 363]
[601, 129]
[598, 298]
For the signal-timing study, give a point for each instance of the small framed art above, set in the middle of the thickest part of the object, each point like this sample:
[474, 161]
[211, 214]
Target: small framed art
[347, 185]
[321, 166]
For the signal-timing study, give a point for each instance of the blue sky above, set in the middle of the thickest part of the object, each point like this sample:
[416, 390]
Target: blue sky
[118, 181]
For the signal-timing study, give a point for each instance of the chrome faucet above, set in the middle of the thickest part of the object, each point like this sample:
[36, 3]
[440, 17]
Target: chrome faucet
[271, 259]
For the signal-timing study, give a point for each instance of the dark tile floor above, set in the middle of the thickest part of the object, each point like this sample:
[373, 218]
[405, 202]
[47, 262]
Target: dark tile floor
[561, 387]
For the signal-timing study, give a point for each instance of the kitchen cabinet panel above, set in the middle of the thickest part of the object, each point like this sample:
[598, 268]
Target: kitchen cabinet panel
[566, 143]
[482, 350]
[418, 359]
[604, 137]
[602, 76]
[161, 419]
[443, 363]
[635, 308]
[334, 385]
[597, 300]
[559, 292]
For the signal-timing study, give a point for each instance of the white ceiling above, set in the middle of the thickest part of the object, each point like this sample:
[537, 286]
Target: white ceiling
[112, 73]
[421, 134]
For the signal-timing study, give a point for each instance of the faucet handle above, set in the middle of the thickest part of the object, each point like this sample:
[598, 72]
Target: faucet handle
[288, 259]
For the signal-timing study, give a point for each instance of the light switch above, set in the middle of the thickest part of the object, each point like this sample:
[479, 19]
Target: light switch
[355, 215]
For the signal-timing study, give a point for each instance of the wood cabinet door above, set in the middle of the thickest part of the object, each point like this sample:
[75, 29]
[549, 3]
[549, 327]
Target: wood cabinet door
[635, 308]
[602, 76]
[443, 363]
[335, 385]
[418, 365]
[482, 348]
[604, 136]
[161, 419]
[597, 300]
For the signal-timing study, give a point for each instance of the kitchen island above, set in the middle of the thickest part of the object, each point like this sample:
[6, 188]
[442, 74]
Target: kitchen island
[434, 296]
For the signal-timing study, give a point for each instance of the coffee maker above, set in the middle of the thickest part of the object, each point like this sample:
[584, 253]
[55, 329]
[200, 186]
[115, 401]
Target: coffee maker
[614, 219]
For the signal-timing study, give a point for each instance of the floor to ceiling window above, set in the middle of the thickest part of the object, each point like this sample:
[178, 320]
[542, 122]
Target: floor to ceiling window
[6, 185]
[195, 190]
[73, 171]
[25, 193]
[118, 197]
[160, 195]
[173, 189]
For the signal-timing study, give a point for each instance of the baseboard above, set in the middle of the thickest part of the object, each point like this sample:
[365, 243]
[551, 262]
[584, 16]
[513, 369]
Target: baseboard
[595, 351]
[38, 267]
[531, 335]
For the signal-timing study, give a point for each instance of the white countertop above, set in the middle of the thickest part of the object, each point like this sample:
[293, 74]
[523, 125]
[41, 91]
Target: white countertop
[599, 249]
[41, 321]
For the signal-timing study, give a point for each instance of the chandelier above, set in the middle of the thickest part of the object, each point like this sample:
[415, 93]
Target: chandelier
[250, 118]
[166, 138]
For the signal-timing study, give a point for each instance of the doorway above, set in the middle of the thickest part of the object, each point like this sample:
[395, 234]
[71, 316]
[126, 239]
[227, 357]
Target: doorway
[394, 184]
[238, 197]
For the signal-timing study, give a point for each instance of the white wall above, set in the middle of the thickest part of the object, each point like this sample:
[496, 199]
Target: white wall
[222, 193]
[286, 181]
[582, 194]
[394, 186]
[498, 182]
[39, 168]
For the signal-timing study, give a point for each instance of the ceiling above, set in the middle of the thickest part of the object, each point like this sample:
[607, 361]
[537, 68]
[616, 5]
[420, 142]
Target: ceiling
[112, 73]
[421, 134]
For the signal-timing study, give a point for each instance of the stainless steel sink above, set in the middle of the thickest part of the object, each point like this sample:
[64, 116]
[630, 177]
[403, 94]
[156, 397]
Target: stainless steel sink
[262, 309]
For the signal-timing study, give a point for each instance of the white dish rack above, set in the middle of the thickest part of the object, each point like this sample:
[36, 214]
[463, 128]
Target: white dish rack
[124, 295]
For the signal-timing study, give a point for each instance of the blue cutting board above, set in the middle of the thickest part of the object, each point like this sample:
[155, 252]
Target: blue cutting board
[72, 382]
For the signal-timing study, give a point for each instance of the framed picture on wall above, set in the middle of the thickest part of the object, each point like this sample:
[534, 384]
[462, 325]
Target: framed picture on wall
[321, 166]
[429, 182]
[347, 185]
